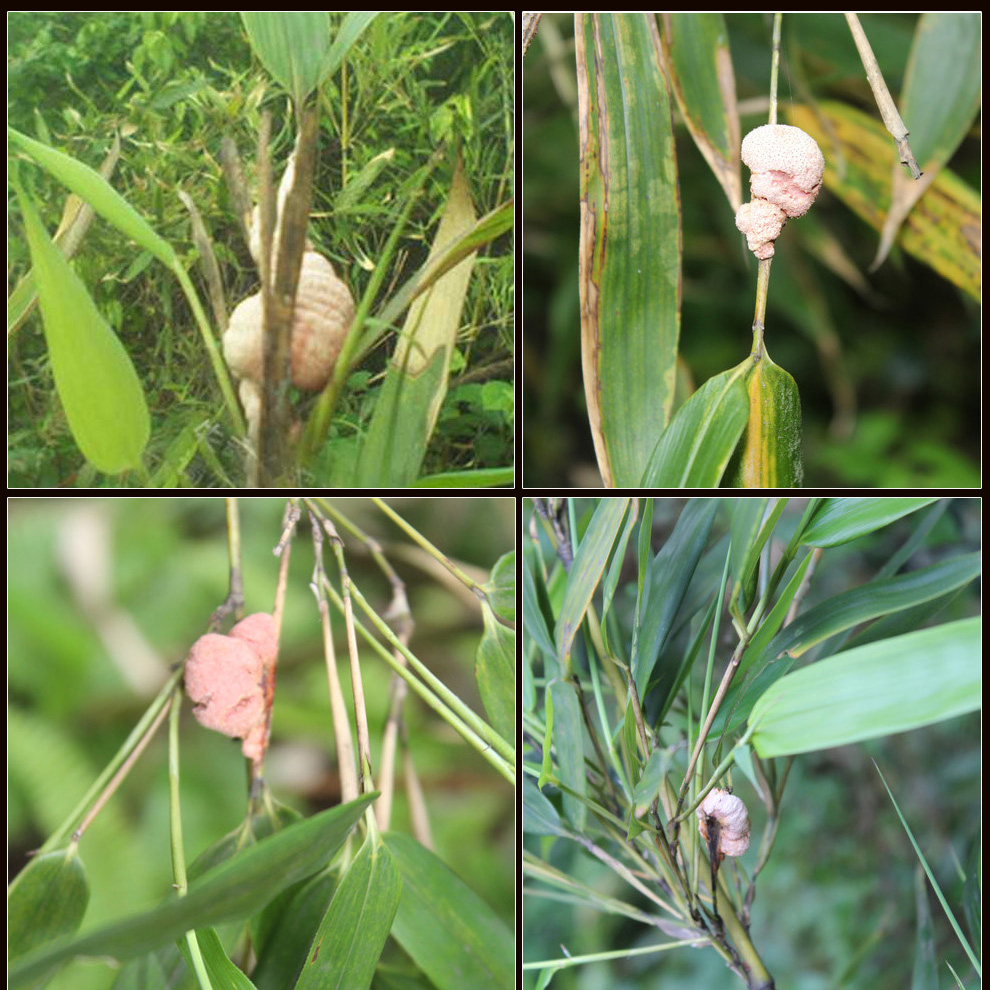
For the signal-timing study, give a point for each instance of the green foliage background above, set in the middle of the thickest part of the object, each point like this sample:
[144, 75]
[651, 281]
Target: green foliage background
[888, 371]
[173, 83]
[70, 706]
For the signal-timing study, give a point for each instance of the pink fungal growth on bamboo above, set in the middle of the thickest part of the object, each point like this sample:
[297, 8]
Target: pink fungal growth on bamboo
[762, 223]
[787, 167]
[227, 679]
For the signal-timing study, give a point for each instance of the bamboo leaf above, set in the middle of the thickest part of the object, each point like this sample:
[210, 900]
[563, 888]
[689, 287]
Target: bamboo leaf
[701, 78]
[694, 450]
[839, 520]
[630, 243]
[96, 382]
[495, 672]
[354, 24]
[943, 230]
[416, 382]
[76, 219]
[291, 45]
[48, 898]
[770, 453]
[940, 101]
[451, 934]
[596, 547]
[96, 191]
[874, 690]
[233, 890]
[349, 942]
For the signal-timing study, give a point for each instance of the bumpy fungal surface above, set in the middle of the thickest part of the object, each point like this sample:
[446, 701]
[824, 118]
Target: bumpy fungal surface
[321, 317]
[761, 222]
[732, 818]
[787, 167]
[225, 678]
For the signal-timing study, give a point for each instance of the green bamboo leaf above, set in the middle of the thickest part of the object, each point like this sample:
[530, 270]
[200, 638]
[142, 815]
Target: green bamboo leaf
[234, 890]
[495, 672]
[839, 520]
[349, 942]
[416, 381]
[701, 78]
[568, 745]
[224, 975]
[670, 574]
[286, 928]
[939, 103]
[354, 24]
[76, 219]
[539, 815]
[291, 45]
[96, 382]
[875, 690]
[48, 898]
[95, 190]
[451, 934]
[769, 657]
[630, 243]
[941, 231]
[694, 450]
[500, 588]
[589, 565]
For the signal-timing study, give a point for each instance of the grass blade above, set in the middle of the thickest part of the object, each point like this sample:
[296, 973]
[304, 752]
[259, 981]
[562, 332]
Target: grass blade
[931, 877]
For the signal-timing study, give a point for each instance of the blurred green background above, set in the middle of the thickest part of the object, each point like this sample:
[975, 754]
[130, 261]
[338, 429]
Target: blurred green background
[103, 596]
[887, 363]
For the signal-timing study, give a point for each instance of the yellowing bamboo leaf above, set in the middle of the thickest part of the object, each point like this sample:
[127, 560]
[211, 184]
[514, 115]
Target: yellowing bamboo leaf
[699, 67]
[941, 98]
[943, 230]
[96, 382]
[416, 382]
[630, 243]
[769, 455]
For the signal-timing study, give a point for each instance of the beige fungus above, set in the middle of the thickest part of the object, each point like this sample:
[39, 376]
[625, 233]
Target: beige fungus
[787, 168]
[730, 812]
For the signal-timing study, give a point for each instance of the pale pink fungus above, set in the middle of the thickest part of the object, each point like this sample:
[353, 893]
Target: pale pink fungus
[787, 167]
[226, 676]
[761, 222]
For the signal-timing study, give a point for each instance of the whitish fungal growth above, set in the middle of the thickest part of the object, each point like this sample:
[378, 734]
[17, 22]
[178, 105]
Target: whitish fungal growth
[787, 167]
[321, 319]
[761, 222]
[725, 811]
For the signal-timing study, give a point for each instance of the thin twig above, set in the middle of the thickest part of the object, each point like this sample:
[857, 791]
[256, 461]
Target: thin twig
[118, 778]
[531, 21]
[338, 709]
[885, 102]
[234, 602]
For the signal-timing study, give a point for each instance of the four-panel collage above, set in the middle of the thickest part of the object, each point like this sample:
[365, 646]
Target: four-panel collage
[493, 742]
[295, 741]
